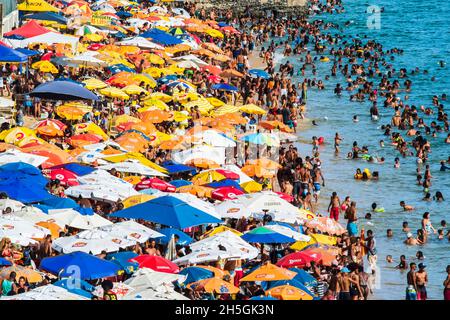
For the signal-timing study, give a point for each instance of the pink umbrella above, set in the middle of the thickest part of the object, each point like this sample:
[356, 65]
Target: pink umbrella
[67, 178]
[228, 174]
[226, 193]
[285, 196]
[214, 79]
[155, 183]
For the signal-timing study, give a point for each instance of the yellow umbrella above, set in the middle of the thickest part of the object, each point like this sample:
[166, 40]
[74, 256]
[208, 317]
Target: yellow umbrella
[214, 33]
[180, 117]
[91, 128]
[150, 103]
[220, 229]
[124, 118]
[315, 238]
[93, 83]
[137, 199]
[199, 191]
[114, 92]
[269, 272]
[134, 89]
[160, 96]
[154, 59]
[215, 102]
[45, 66]
[156, 72]
[135, 156]
[146, 80]
[207, 177]
[226, 109]
[95, 37]
[72, 111]
[251, 186]
[204, 106]
[29, 274]
[252, 109]
[287, 292]
[17, 134]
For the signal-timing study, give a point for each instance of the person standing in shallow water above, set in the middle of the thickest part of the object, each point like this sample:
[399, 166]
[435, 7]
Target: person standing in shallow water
[447, 285]
[333, 207]
[411, 289]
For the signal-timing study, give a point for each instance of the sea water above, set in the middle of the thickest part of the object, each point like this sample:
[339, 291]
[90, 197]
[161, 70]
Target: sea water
[421, 29]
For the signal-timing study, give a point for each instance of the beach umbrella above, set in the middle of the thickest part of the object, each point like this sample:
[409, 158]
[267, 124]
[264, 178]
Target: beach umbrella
[12, 155]
[183, 240]
[77, 220]
[131, 230]
[13, 225]
[214, 285]
[76, 286]
[134, 89]
[7, 263]
[155, 183]
[16, 134]
[77, 168]
[47, 292]
[262, 298]
[135, 156]
[287, 292]
[46, 16]
[226, 193]
[224, 87]
[325, 224]
[11, 55]
[93, 83]
[122, 260]
[31, 275]
[12, 204]
[259, 73]
[133, 167]
[194, 274]
[288, 231]
[137, 199]
[216, 139]
[45, 66]
[252, 109]
[177, 213]
[66, 177]
[225, 183]
[266, 235]
[303, 277]
[285, 196]
[62, 90]
[180, 183]
[85, 266]
[299, 258]
[149, 278]
[23, 190]
[220, 229]
[231, 73]
[156, 263]
[114, 92]
[269, 272]
[175, 167]
[92, 241]
[207, 176]
[315, 239]
[262, 138]
[164, 292]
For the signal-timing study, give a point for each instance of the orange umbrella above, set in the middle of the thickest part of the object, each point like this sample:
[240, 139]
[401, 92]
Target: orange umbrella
[213, 47]
[204, 52]
[259, 171]
[327, 257]
[156, 116]
[133, 142]
[287, 292]
[6, 146]
[230, 73]
[214, 285]
[55, 155]
[232, 118]
[177, 144]
[212, 69]
[52, 227]
[221, 58]
[325, 224]
[203, 163]
[196, 190]
[269, 272]
[111, 151]
[49, 131]
[84, 139]
[264, 162]
[275, 124]
[144, 127]
[133, 179]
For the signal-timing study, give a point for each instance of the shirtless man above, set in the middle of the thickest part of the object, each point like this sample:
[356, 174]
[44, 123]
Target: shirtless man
[421, 282]
[317, 179]
[337, 141]
[411, 241]
[333, 207]
[411, 289]
[355, 289]
[405, 206]
[344, 284]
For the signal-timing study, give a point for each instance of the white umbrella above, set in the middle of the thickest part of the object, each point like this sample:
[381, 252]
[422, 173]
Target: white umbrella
[88, 58]
[97, 147]
[90, 241]
[193, 58]
[89, 156]
[132, 231]
[10, 203]
[17, 238]
[205, 256]
[18, 156]
[140, 42]
[11, 225]
[47, 38]
[100, 192]
[200, 152]
[148, 278]
[35, 215]
[181, 12]
[188, 64]
[48, 292]
[215, 139]
[288, 232]
[243, 178]
[133, 167]
[254, 204]
[195, 202]
[161, 293]
[77, 220]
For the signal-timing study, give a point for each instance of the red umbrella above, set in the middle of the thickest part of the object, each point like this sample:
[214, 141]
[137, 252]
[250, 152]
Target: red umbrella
[57, 124]
[85, 137]
[228, 174]
[155, 183]
[285, 196]
[156, 263]
[212, 69]
[299, 259]
[226, 193]
[47, 56]
[67, 178]
[95, 46]
[214, 79]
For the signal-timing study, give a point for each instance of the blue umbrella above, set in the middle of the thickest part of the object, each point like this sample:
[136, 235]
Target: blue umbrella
[178, 83]
[222, 24]
[168, 78]
[124, 14]
[194, 274]
[175, 167]
[4, 262]
[62, 90]
[24, 190]
[11, 55]
[60, 203]
[70, 80]
[116, 68]
[76, 286]
[259, 73]
[224, 86]
[176, 213]
[303, 277]
[262, 298]
[161, 37]
[266, 235]
[49, 16]
[86, 266]
[180, 183]
[225, 183]
[183, 240]
[119, 35]
[121, 259]
[19, 167]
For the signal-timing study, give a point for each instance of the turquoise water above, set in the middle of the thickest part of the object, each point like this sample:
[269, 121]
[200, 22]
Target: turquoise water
[421, 29]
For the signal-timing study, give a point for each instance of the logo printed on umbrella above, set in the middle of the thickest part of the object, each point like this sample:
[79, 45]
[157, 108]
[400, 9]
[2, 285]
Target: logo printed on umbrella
[115, 240]
[135, 235]
[79, 244]
[265, 275]
[20, 135]
[233, 210]
[7, 226]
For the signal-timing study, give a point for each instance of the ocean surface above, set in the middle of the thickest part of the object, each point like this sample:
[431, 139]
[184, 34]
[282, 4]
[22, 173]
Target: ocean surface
[421, 29]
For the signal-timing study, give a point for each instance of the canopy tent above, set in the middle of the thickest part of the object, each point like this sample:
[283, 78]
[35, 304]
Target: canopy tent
[11, 55]
[28, 30]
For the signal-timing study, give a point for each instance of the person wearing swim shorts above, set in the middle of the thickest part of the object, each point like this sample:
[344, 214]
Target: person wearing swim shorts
[351, 216]
[421, 282]
[411, 289]
[333, 207]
